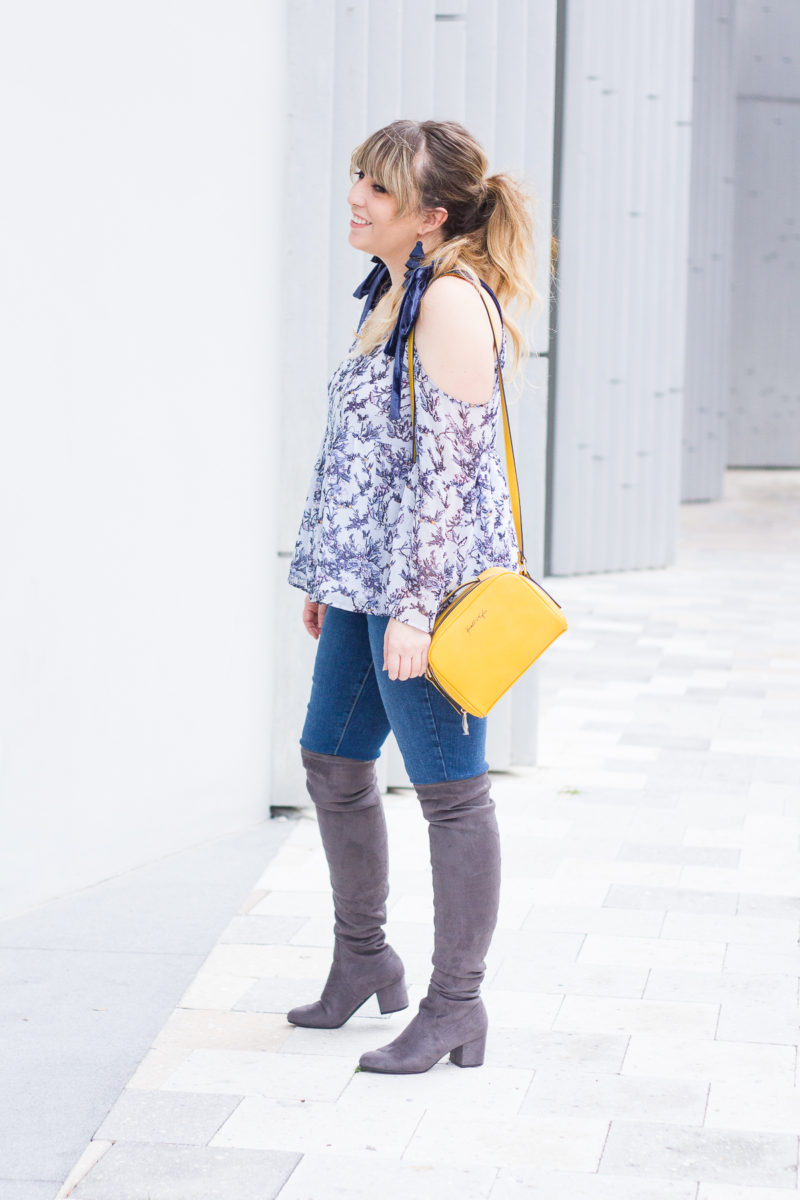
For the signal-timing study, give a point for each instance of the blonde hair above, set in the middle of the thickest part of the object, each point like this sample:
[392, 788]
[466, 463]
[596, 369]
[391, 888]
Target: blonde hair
[488, 234]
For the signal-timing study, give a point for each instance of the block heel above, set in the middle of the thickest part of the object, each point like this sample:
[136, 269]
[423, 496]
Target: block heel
[393, 998]
[471, 1054]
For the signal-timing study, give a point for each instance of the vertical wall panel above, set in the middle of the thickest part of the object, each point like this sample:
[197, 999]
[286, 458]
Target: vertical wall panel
[711, 254]
[450, 69]
[480, 103]
[308, 195]
[385, 84]
[418, 65]
[764, 421]
[349, 123]
[622, 284]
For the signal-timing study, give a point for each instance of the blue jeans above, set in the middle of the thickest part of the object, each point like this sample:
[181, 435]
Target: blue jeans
[354, 704]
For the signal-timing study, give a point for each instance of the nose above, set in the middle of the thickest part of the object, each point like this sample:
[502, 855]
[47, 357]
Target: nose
[355, 192]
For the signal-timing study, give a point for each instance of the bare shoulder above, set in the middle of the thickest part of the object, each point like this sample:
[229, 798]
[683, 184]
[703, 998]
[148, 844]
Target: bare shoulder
[455, 303]
[454, 339]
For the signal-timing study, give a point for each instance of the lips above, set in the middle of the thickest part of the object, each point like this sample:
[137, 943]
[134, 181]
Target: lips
[359, 222]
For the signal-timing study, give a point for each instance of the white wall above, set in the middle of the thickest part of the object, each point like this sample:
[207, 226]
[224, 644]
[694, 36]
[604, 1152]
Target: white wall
[139, 221]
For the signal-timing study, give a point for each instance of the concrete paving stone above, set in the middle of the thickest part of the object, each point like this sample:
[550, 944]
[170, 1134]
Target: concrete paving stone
[412, 910]
[259, 1072]
[743, 1021]
[144, 1172]
[775, 770]
[554, 1143]
[157, 1066]
[537, 947]
[630, 922]
[698, 855]
[277, 996]
[499, 1090]
[521, 1010]
[747, 1106]
[773, 933]
[520, 1183]
[315, 1127]
[294, 904]
[580, 978]
[262, 930]
[684, 1152]
[665, 740]
[209, 1029]
[342, 1177]
[731, 1191]
[216, 989]
[251, 901]
[720, 987]
[616, 1097]
[761, 960]
[268, 962]
[665, 899]
[721, 836]
[528, 1050]
[602, 949]
[695, 1058]
[599, 1014]
[158, 1116]
[779, 907]
[316, 931]
[613, 870]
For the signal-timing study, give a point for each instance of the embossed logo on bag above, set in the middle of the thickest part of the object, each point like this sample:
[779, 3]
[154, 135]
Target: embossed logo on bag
[469, 628]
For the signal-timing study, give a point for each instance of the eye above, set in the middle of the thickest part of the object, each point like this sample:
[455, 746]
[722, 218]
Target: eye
[376, 187]
[357, 174]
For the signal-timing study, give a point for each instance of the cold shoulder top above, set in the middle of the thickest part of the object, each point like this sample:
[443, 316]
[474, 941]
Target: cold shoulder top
[383, 535]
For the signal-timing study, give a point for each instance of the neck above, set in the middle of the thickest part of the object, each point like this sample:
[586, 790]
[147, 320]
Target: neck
[397, 270]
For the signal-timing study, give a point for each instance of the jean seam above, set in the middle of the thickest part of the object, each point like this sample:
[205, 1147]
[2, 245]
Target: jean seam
[356, 699]
[435, 728]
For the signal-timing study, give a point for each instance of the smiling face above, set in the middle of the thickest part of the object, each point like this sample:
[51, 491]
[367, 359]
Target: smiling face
[378, 227]
[375, 226]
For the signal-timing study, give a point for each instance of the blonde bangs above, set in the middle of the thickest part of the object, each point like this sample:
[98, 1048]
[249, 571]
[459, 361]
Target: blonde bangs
[388, 157]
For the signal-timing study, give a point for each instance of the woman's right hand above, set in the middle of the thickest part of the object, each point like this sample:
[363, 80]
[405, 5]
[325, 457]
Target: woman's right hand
[313, 616]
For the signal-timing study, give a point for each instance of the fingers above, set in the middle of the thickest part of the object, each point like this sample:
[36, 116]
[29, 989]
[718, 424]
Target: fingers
[405, 651]
[312, 618]
[405, 666]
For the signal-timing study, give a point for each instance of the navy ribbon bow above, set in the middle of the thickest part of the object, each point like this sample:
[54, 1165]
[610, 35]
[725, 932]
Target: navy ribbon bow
[415, 282]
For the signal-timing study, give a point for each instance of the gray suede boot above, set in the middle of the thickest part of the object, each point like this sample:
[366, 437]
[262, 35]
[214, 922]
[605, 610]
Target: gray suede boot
[353, 831]
[465, 859]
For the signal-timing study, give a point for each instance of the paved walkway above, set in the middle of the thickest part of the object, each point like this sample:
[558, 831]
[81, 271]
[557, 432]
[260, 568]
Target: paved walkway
[642, 984]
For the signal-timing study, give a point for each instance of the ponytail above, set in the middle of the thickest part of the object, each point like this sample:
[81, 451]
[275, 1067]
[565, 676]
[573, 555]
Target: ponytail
[488, 234]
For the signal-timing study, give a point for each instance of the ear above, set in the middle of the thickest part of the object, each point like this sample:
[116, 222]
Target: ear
[432, 219]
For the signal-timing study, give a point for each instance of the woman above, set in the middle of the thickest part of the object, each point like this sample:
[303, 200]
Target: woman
[385, 535]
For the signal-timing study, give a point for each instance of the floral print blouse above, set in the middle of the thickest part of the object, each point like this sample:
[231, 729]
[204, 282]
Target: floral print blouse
[383, 535]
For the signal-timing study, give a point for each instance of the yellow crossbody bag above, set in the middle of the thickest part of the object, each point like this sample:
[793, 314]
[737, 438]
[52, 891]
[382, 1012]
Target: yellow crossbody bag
[490, 629]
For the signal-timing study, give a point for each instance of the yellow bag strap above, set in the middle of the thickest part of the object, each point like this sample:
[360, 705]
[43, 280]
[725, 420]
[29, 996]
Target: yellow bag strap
[511, 466]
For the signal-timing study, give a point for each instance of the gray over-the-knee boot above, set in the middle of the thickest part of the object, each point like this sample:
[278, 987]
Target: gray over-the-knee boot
[353, 831]
[465, 860]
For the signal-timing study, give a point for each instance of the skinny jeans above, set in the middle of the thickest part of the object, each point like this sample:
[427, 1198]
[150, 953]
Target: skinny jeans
[354, 705]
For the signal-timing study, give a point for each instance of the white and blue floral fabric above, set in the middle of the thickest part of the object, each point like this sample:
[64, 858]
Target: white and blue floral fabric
[383, 535]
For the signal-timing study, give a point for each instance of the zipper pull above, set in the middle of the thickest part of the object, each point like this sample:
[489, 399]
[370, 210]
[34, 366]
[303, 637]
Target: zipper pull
[464, 724]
